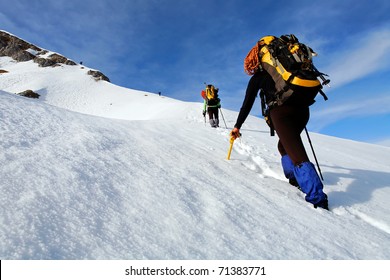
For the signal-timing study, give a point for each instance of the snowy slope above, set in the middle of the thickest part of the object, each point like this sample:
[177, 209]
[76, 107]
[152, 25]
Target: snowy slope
[95, 171]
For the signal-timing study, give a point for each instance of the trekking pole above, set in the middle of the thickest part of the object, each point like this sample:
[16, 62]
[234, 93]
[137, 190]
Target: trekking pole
[230, 148]
[318, 166]
[223, 117]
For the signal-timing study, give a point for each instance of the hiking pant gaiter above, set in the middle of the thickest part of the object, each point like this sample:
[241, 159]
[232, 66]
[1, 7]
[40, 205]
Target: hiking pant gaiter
[289, 121]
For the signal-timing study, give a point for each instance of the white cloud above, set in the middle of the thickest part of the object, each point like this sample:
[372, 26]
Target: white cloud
[364, 54]
[373, 105]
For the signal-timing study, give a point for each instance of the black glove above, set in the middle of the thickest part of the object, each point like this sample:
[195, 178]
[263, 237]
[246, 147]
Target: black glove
[204, 113]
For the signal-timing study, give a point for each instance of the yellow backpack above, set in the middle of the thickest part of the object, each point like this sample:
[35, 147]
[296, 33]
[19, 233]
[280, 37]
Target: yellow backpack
[211, 92]
[290, 65]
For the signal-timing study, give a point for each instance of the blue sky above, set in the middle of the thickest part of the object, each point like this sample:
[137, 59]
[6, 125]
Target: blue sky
[174, 46]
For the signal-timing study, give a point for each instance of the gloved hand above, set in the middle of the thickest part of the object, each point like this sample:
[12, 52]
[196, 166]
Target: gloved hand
[235, 133]
[204, 113]
[219, 106]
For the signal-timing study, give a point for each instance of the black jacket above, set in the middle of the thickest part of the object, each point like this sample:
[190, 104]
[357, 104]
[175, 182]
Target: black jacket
[260, 80]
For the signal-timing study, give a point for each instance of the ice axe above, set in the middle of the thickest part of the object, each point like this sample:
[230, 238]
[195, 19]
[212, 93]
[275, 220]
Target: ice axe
[231, 144]
[230, 148]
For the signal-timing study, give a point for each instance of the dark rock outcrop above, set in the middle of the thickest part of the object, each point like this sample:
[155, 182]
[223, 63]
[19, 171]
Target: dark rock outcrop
[29, 93]
[98, 75]
[21, 50]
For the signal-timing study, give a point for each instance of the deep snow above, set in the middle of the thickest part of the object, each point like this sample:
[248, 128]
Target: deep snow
[95, 171]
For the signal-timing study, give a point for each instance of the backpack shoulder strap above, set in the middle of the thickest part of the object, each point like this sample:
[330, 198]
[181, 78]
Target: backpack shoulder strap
[266, 113]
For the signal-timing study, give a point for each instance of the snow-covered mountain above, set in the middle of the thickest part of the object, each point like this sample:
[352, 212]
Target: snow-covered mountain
[91, 170]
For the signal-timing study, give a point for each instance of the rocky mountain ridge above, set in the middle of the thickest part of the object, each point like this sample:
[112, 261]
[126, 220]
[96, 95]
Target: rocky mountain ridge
[21, 50]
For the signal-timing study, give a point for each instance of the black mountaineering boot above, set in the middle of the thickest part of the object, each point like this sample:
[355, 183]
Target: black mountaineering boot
[294, 182]
[322, 204]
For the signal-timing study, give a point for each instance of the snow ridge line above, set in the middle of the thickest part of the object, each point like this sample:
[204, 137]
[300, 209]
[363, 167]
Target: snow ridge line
[364, 217]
